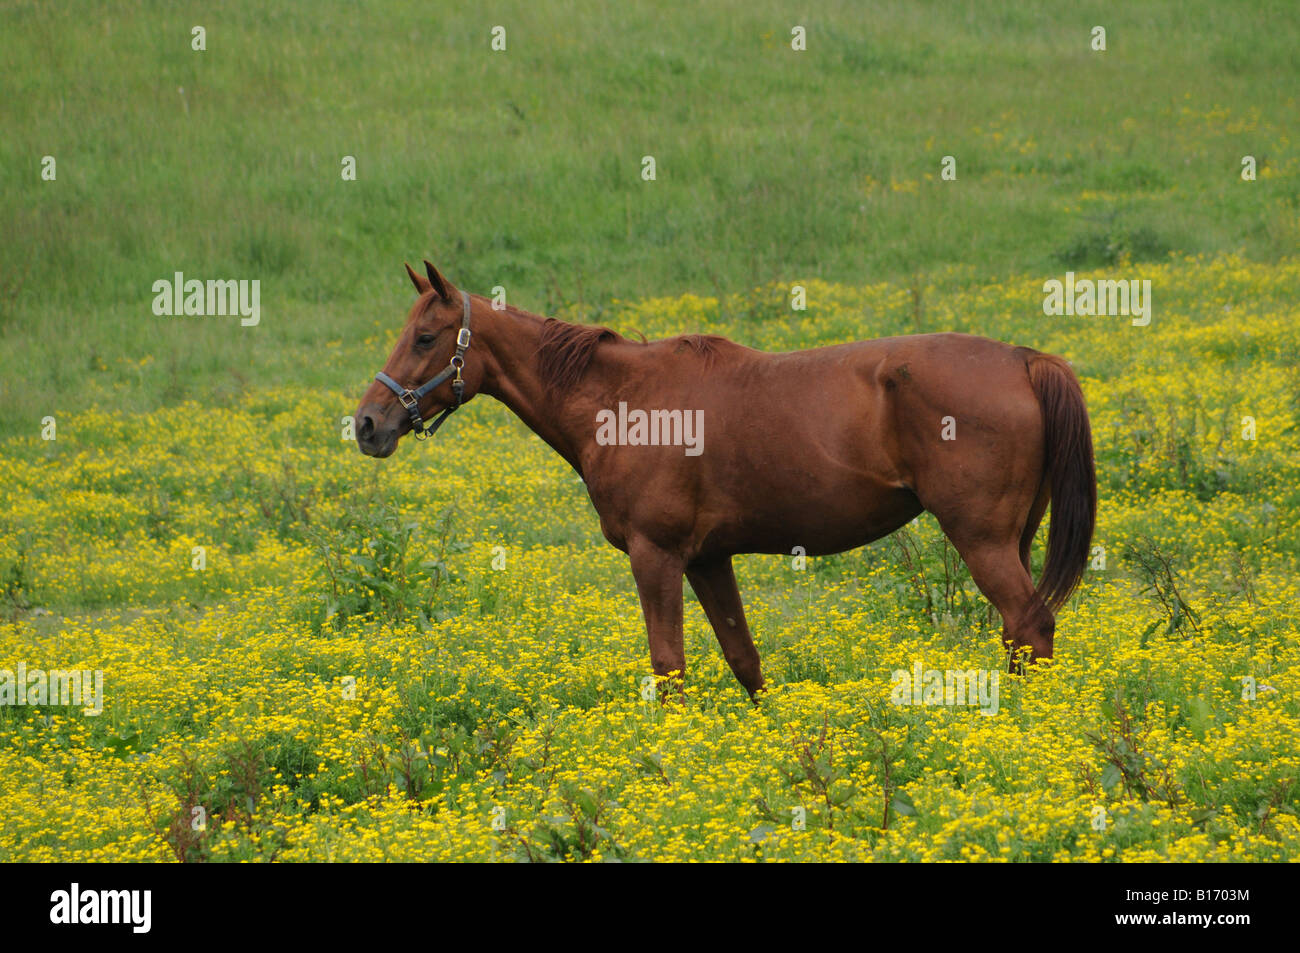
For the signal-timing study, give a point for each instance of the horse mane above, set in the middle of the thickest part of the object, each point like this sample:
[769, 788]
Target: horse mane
[705, 345]
[566, 350]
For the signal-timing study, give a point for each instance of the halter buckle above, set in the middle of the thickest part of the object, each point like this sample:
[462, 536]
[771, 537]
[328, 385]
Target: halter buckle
[462, 338]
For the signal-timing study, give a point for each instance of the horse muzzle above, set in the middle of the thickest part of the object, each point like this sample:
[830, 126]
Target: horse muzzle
[376, 436]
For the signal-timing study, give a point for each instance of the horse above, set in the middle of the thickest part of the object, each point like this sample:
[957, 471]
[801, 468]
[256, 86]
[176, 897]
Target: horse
[826, 449]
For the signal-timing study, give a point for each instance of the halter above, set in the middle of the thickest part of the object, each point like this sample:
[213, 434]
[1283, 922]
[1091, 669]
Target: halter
[410, 399]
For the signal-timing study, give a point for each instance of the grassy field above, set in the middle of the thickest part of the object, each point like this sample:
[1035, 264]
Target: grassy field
[324, 656]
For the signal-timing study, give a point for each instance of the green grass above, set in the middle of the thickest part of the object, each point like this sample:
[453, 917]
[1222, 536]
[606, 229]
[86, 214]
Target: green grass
[521, 168]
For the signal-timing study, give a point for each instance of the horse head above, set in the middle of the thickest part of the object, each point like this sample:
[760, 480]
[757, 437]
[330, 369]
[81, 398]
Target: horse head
[426, 373]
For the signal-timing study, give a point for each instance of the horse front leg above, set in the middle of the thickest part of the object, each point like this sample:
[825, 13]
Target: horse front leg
[714, 583]
[658, 575]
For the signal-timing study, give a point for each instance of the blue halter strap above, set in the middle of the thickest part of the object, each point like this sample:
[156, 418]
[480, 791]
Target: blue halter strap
[410, 399]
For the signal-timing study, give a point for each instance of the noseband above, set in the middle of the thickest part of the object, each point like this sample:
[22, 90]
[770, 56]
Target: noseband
[410, 399]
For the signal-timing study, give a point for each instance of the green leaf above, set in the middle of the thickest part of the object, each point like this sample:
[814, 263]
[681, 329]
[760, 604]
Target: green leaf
[903, 805]
[122, 745]
[1110, 776]
[1205, 814]
[649, 764]
[1146, 633]
[843, 795]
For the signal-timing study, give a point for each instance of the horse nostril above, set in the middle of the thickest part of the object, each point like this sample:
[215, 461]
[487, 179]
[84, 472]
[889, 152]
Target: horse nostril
[367, 429]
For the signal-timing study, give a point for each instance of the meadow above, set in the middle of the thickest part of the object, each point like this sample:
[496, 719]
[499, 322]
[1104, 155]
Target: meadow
[310, 655]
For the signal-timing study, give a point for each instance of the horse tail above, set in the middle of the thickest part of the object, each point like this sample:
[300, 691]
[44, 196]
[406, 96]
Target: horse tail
[1070, 473]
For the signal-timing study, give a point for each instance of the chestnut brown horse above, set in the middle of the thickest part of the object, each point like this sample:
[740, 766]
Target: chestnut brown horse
[695, 448]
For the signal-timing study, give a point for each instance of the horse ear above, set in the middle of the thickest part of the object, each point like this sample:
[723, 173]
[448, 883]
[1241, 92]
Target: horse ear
[421, 283]
[437, 282]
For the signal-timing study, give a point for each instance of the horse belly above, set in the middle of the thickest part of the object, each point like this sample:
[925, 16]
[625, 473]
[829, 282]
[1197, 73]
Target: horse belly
[817, 524]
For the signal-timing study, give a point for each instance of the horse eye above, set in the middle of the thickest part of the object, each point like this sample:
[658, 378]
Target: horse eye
[425, 340]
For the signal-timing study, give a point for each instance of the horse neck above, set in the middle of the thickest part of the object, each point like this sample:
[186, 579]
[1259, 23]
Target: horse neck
[512, 340]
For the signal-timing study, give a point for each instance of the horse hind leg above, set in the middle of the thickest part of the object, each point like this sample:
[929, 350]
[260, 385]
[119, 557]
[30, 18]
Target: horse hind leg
[1000, 572]
[1044, 624]
[1036, 511]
